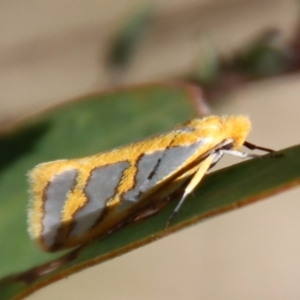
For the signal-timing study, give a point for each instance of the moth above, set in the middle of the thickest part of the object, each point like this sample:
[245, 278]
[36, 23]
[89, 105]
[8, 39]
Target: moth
[74, 201]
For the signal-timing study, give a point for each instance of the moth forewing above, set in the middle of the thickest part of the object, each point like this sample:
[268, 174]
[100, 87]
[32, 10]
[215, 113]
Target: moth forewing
[74, 201]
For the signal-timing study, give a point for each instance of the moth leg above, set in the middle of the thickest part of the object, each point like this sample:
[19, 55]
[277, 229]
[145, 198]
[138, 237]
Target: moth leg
[150, 210]
[196, 178]
[247, 155]
[239, 153]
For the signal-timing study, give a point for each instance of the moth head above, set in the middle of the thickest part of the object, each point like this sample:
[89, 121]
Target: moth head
[236, 127]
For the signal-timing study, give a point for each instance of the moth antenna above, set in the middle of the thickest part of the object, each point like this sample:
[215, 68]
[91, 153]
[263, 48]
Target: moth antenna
[254, 147]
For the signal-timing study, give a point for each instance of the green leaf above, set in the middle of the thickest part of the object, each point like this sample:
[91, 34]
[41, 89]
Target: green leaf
[98, 123]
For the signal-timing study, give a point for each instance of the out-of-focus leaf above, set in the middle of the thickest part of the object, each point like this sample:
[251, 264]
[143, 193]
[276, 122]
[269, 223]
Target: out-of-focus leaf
[125, 42]
[268, 55]
[208, 65]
